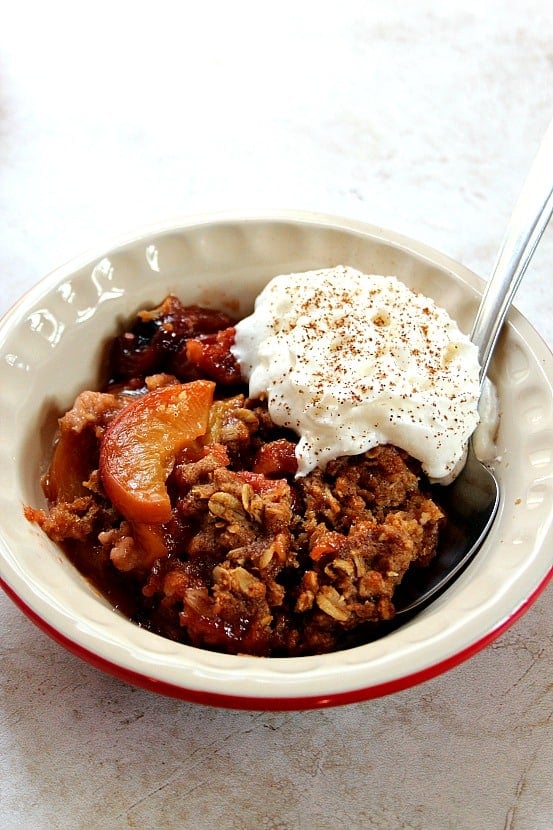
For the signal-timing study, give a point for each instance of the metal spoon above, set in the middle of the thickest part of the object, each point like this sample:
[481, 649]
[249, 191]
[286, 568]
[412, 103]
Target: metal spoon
[471, 502]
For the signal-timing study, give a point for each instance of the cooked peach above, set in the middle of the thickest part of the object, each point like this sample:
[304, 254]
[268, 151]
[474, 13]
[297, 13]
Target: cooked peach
[74, 459]
[139, 447]
[276, 458]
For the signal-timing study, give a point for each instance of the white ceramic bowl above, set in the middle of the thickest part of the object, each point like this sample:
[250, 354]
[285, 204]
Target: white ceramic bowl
[50, 346]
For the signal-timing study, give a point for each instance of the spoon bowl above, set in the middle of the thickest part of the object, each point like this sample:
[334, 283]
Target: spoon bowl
[470, 504]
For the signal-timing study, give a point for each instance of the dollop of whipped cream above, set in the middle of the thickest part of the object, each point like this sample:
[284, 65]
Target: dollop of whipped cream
[349, 361]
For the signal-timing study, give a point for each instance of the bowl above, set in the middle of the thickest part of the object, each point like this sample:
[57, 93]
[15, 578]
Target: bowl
[50, 348]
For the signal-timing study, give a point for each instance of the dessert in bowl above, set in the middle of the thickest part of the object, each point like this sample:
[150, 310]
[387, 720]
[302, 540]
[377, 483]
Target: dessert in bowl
[52, 346]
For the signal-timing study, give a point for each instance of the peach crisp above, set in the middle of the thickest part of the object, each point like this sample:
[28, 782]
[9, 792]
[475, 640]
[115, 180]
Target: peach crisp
[176, 494]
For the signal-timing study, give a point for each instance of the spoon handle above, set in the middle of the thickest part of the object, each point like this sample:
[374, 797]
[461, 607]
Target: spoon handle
[529, 219]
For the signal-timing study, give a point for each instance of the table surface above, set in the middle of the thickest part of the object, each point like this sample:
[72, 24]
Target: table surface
[421, 117]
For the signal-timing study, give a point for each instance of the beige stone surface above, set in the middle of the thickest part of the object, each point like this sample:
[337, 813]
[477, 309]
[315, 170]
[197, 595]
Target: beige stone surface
[422, 117]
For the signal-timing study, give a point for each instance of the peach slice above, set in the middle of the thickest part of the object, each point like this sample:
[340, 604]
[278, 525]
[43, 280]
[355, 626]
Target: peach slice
[72, 463]
[139, 447]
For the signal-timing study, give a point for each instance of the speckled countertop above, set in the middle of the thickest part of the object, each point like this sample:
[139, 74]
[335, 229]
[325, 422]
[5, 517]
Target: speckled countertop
[422, 117]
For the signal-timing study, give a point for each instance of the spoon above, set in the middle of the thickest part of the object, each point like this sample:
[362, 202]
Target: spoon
[472, 500]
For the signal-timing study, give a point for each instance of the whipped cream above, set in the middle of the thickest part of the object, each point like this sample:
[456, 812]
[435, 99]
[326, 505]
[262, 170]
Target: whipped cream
[350, 361]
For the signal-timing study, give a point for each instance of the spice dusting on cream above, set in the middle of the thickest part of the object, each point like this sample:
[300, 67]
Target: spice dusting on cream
[350, 361]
